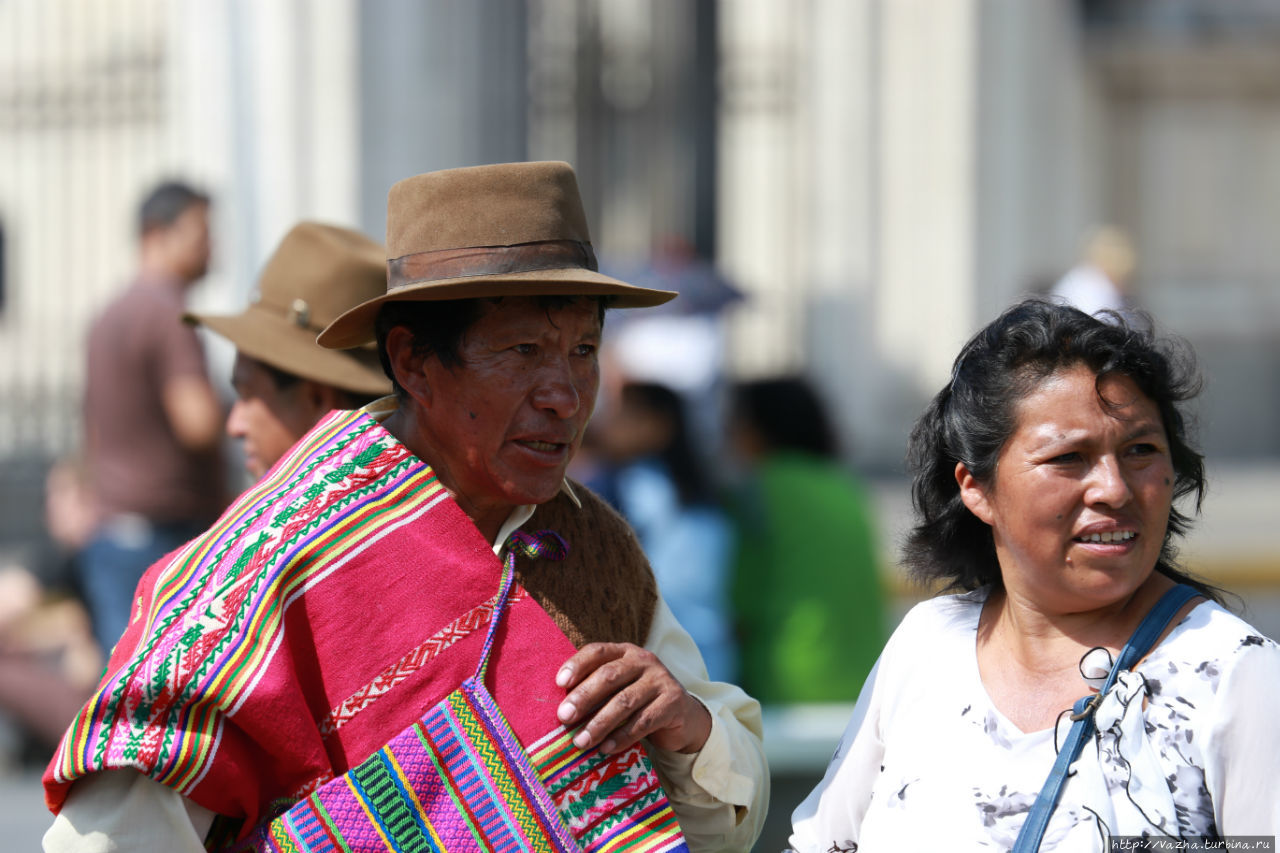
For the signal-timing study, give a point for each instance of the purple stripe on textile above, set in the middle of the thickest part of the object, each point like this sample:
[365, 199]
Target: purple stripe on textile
[536, 794]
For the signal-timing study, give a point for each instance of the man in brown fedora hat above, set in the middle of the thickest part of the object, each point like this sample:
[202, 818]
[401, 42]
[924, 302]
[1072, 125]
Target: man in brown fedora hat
[289, 655]
[283, 381]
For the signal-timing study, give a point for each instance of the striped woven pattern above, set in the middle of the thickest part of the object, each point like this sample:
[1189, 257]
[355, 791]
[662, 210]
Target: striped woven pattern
[457, 780]
[445, 784]
[214, 618]
[612, 803]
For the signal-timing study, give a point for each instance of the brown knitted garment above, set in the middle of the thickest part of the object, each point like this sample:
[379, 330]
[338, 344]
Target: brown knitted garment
[603, 590]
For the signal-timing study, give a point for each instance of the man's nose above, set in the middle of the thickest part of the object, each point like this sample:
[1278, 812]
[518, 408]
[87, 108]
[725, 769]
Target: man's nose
[557, 390]
[236, 420]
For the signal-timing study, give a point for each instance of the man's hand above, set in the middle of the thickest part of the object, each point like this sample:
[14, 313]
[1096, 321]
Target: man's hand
[624, 693]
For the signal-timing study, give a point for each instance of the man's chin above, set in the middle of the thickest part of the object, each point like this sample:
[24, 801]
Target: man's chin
[535, 493]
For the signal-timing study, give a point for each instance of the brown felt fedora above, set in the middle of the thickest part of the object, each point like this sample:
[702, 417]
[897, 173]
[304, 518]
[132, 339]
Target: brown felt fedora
[512, 229]
[317, 272]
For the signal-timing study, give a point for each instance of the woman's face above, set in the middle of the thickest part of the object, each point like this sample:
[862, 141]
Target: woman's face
[1080, 499]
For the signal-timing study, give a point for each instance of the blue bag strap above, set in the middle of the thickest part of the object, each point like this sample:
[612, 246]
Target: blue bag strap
[545, 545]
[1150, 629]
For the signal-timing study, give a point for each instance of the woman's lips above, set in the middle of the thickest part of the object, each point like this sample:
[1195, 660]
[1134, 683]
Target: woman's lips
[1110, 537]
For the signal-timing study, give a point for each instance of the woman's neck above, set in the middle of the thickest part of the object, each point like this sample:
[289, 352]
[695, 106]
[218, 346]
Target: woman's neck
[1037, 633]
[1029, 656]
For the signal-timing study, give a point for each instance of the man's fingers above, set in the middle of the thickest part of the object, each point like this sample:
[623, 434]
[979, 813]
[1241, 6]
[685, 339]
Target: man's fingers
[586, 661]
[622, 693]
[624, 719]
[596, 687]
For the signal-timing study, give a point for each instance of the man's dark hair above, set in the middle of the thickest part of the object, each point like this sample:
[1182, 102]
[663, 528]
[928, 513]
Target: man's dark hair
[787, 414]
[438, 327]
[164, 204]
[971, 418]
[283, 380]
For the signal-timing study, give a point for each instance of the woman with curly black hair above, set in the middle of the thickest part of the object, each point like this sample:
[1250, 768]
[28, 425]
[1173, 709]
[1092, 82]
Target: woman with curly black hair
[1046, 474]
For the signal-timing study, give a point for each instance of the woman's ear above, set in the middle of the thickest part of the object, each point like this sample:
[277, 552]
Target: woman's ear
[408, 365]
[973, 493]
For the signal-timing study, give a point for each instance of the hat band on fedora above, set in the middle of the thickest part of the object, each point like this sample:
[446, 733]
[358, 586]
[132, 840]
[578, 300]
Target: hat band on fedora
[489, 260]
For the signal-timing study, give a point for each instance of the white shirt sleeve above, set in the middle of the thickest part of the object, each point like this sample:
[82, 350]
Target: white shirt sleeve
[1242, 745]
[721, 793]
[831, 816]
[123, 810]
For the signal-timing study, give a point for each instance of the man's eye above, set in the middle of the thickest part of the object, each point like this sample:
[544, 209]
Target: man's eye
[1143, 449]
[1066, 458]
[523, 349]
[586, 349]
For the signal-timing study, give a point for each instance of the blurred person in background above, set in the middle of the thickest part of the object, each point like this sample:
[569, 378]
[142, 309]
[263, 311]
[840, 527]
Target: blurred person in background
[806, 586]
[284, 381]
[49, 660]
[153, 423]
[653, 476]
[1044, 480]
[1103, 280]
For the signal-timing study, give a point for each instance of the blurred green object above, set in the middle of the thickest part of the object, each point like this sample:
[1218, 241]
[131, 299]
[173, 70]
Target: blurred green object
[806, 586]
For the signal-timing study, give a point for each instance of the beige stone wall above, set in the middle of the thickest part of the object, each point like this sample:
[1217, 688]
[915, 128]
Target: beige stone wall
[252, 102]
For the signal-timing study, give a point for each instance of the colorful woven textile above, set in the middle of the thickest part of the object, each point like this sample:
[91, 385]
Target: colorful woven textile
[459, 780]
[328, 607]
[611, 802]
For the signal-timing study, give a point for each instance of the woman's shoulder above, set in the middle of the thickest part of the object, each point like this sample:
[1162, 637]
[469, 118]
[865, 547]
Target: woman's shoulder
[944, 615]
[1213, 632]
[1208, 646]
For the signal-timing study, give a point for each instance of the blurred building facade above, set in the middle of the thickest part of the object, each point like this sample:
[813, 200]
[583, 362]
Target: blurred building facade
[880, 177]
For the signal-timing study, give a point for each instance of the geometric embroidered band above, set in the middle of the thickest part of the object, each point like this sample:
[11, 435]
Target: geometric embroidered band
[490, 260]
[412, 661]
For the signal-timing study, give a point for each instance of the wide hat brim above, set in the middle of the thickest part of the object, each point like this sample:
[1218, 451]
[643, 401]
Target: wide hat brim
[356, 327]
[265, 336]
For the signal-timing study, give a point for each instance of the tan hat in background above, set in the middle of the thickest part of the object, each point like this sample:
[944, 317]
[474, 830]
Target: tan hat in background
[512, 229]
[317, 272]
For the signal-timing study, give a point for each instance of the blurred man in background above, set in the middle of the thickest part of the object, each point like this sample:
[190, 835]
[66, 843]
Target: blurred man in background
[284, 381]
[1103, 279]
[152, 419]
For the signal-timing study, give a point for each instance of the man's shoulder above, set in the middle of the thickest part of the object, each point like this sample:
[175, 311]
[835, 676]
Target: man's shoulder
[580, 509]
[604, 590]
[140, 310]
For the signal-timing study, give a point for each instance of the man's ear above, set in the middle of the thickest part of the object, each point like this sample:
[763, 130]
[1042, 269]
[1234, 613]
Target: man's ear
[973, 493]
[408, 366]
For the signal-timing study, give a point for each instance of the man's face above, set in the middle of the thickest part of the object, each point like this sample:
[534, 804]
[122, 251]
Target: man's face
[265, 417]
[188, 242]
[501, 426]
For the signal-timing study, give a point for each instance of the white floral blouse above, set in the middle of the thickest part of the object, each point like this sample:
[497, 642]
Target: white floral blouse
[1188, 745]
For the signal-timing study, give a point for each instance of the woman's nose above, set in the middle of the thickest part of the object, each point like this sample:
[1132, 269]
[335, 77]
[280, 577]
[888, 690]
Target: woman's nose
[1107, 483]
